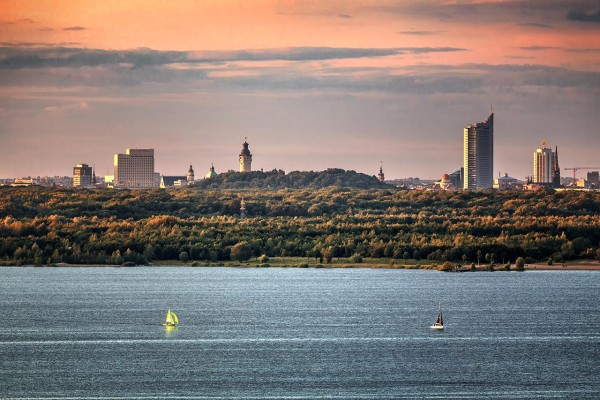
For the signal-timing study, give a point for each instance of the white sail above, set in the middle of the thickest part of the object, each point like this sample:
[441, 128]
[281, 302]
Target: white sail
[439, 321]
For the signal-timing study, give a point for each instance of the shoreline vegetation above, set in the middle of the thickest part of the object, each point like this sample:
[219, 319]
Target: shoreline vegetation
[299, 262]
[332, 218]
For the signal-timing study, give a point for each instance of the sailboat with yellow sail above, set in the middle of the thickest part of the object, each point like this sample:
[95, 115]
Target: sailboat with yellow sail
[172, 319]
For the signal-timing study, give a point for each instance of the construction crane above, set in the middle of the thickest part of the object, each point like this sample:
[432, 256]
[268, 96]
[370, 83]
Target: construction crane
[578, 168]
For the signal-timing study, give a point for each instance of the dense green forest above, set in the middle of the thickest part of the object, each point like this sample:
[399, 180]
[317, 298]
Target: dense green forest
[45, 226]
[278, 179]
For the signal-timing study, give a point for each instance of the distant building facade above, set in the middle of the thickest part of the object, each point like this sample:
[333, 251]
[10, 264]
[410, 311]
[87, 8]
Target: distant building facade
[245, 158]
[505, 182]
[444, 184]
[479, 154]
[173, 181]
[23, 182]
[556, 170]
[83, 175]
[190, 174]
[594, 179]
[545, 166]
[135, 169]
[457, 178]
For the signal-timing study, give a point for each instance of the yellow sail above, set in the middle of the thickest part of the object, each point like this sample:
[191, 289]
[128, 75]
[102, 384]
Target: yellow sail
[171, 318]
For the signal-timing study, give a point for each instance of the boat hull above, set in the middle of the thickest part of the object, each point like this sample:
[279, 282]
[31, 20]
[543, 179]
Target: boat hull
[437, 327]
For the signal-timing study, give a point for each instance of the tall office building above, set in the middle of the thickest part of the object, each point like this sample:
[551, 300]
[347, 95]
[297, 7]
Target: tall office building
[82, 175]
[545, 165]
[479, 154]
[556, 170]
[245, 159]
[135, 169]
[593, 178]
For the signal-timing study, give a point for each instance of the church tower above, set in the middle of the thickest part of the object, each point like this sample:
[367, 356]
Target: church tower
[190, 174]
[245, 158]
[381, 176]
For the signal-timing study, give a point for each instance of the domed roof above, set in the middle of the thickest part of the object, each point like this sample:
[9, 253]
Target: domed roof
[211, 173]
[191, 170]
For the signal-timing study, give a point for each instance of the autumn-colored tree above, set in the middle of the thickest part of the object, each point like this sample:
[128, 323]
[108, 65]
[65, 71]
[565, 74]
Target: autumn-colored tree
[241, 251]
[520, 264]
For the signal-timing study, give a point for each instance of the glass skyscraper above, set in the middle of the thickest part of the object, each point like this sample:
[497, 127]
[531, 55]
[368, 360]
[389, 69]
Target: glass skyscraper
[479, 154]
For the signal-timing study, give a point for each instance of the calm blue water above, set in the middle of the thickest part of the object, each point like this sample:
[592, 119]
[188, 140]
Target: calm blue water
[297, 333]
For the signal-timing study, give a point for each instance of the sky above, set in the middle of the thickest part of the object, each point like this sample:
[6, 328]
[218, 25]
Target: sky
[312, 84]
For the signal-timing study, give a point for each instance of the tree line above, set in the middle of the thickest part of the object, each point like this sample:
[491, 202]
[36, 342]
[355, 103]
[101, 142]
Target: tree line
[46, 226]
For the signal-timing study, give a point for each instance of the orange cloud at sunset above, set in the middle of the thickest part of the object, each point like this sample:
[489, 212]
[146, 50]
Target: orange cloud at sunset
[371, 71]
[480, 26]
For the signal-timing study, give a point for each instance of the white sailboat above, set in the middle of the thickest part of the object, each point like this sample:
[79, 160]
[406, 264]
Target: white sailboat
[439, 322]
[172, 319]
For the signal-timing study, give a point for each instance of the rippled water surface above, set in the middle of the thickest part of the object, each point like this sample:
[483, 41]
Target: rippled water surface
[297, 333]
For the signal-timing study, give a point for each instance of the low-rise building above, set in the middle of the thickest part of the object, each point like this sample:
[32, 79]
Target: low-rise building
[444, 184]
[173, 181]
[505, 182]
[23, 182]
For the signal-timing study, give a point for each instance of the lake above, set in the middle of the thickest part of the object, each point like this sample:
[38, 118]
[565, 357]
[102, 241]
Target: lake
[95, 332]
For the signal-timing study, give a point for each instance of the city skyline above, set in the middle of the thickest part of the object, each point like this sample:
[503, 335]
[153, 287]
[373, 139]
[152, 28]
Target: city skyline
[313, 86]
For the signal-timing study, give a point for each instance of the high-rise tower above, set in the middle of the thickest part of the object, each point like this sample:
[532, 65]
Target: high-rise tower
[245, 158]
[479, 154]
[544, 164]
[556, 170]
